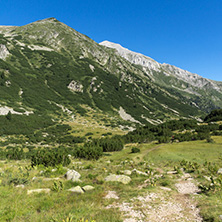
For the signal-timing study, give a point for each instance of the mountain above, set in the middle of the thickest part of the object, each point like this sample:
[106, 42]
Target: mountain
[173, 77]
[49, 69]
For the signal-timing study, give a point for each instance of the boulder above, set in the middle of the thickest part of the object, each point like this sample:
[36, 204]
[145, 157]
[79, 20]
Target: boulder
[118, 178]
[219, 171]
[111, 195]
[88, 188]
[76, 189]
[139, 172]
[20, 186]
[73, 175]
[172, 172]
[127, 172]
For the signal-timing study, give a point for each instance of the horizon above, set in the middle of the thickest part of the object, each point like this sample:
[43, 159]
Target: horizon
[184, 34]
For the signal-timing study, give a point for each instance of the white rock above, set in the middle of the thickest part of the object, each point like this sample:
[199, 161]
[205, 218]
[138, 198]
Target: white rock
[88, 188]
[76, 189]
[111, 195]
[72, 175]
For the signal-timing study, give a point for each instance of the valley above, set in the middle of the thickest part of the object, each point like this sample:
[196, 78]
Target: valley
[95, 132]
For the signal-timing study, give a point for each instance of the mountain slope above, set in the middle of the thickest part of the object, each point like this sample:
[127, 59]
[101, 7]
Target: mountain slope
[174, 78]
[48, 68]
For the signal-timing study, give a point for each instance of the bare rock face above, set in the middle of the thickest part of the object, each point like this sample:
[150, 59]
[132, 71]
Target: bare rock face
[75, 86]
[3, 52]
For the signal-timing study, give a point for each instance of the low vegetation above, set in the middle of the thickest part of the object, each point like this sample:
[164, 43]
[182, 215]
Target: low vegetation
[154, 157]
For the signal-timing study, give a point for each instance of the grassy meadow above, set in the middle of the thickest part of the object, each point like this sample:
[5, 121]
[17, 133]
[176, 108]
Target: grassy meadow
[63, 205]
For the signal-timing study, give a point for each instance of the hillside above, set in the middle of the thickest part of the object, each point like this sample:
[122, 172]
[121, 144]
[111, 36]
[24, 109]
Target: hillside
[49, 69]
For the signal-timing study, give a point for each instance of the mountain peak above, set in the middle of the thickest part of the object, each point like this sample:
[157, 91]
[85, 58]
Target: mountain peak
[51, 19]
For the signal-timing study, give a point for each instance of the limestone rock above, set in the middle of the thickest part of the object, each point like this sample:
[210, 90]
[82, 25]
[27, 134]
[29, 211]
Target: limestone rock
[219, 171]
[118, 178]
[172, 172]
[72, 175]
[20, 186]
[139, 172]
[111, 195]
[76, 189]
[127, 172]
[3, 52]
[75, 86]
[45, 190]
[88, 188]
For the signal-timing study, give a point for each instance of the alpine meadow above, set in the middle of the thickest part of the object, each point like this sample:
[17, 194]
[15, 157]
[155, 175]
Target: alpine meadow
[94, 132]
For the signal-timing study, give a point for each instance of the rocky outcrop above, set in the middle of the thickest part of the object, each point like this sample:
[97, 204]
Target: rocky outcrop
[4, 53]
[75, 86]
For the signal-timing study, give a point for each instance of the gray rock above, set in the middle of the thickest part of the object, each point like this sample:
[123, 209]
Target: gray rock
[127, 172]
[118, 178]
[166, 188]
[220, 217]
[219, 171]
[111, 195]
[20, 186]
[46, 190]
[76, 189]
[88, 188]
[172, 172]
[139, 172]
[73, 175]
[49, 179]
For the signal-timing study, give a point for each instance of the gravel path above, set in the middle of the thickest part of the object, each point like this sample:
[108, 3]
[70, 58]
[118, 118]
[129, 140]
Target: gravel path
[164, 205]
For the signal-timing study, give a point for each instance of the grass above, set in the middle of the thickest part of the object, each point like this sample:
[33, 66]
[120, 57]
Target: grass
[196, 151]
[16, 205]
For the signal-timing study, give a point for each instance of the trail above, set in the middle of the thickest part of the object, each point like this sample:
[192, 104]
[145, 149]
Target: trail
[163, 204]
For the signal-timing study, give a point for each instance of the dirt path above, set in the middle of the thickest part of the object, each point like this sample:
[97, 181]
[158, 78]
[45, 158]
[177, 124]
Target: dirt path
[163, 205]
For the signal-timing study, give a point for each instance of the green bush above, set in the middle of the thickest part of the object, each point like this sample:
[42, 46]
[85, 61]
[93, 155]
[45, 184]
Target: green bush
[135, 150]
[89, 152]
[50, 158]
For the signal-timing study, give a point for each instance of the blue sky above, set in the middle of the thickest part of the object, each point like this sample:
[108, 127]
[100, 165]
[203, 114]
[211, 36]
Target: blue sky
[184, 33]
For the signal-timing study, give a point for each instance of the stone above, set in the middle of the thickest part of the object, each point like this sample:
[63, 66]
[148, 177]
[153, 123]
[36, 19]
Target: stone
[139, 172]
[45, 190]
[220, 217]
[111, 195]
[219, 171]
[76, 189]
[73, 175]
[49, 179]
[127, 172]
[166, 188]
[4, 53]
[118, 178]
[75, 86]
[20, 186]
[172, 172]
[88, 188]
